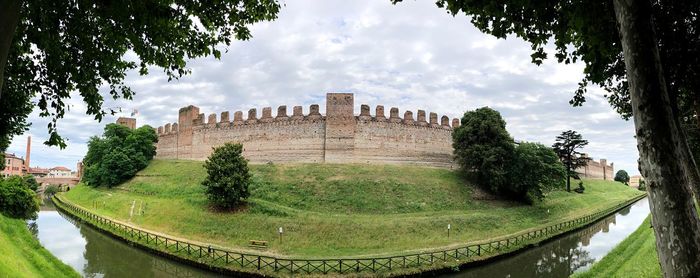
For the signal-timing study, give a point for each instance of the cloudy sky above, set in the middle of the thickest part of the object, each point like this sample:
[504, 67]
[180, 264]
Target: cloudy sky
[412, 56]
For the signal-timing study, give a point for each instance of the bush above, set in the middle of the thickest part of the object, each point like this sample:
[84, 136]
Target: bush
[17, 199]
[227, 176]
[622, 177]
[118, 154]
[580, 187]
[642, 185]
[51, 190]
[483, 147]
[31, 182]
[534, 170]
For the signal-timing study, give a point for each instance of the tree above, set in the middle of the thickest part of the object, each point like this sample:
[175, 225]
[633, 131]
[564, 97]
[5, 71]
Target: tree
[534, 170]
[566, 146]
[483, 147]
[17, 199]
[227, 176]
[622, 177]
[49, 49]
[617, 41]
[118, 154]
[31, 182]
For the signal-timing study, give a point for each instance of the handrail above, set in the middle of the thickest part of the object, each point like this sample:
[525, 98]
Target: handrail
[217, 257]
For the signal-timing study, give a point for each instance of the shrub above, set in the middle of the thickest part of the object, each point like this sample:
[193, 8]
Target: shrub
[622, 176]
[118, 154]
[51, 190]
[17, 199]
[580, 187]
[642, 185]
[483, 147]
[227, 176]
[31, 182]
[534, 170]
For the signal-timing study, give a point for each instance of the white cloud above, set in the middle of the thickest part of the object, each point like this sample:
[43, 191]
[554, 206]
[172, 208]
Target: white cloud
[412, 55]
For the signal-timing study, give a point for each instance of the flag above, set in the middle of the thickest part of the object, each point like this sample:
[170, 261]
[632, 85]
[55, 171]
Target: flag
[134, 112]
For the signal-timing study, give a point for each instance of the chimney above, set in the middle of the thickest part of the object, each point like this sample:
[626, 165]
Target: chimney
[29, 150]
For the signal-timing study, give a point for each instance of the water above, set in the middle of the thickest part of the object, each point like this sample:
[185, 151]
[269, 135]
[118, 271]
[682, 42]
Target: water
[568, 254]
[94, 254]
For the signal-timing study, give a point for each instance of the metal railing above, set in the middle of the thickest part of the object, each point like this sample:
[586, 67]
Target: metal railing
[239, 261]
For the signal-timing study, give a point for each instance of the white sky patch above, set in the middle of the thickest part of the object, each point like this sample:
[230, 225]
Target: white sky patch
[411, 55]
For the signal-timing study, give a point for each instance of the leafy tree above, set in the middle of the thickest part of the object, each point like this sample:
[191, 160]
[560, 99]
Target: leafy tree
[483, 147]
[227, 176]
[51, 48]
[642, 185]
[31, 182]
[118, 154]
[566, 146]
[646, 55]
[51, 190]
[17, 200]
[534, 170]
[622, 177]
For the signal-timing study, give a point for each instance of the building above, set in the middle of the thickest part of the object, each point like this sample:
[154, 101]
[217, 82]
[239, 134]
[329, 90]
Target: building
[60, 172]
[635, 180]
[127, 122]
[14, 165]
[38, 172]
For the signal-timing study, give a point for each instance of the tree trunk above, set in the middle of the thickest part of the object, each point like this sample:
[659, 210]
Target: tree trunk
[568, 173]
[662, 149]
[9, 17]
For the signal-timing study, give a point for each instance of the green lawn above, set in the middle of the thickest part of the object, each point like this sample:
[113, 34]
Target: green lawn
[21, 255]
[633, 257]
[335, 210]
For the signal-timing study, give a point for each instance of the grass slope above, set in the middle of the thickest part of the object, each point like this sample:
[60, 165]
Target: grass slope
[633, 257]
[23, 256]
[335, 210]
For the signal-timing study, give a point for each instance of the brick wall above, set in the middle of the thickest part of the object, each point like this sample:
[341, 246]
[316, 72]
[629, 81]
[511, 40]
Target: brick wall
[336, 137]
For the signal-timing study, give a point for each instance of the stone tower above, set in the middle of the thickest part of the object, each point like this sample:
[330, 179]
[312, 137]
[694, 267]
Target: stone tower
[340, 127]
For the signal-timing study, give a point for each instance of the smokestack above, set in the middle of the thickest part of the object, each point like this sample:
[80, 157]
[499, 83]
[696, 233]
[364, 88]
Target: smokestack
[29, 151]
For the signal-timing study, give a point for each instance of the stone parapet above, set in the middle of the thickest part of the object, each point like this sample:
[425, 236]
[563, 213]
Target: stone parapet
[339, 136]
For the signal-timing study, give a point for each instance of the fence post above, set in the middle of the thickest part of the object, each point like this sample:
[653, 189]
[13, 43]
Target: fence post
[258, 262]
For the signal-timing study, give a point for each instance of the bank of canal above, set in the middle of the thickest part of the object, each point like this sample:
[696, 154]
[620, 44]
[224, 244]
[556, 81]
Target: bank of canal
[94, 254]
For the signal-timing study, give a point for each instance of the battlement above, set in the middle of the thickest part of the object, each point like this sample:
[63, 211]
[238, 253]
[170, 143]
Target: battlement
[223, 120]
[338, 136]
[597, 169]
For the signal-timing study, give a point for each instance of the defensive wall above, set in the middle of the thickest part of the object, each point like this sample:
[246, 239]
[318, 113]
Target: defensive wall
[338, 136]
[597, 170]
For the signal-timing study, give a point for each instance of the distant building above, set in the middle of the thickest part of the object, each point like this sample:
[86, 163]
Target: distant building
[38, 172]
[127, 122]
[60, 171]
[14, 165]
[634, 181]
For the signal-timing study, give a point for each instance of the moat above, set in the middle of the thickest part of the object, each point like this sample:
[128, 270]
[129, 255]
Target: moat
[94, 254]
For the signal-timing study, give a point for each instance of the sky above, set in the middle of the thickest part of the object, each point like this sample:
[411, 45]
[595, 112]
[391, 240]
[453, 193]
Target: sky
[412, 55]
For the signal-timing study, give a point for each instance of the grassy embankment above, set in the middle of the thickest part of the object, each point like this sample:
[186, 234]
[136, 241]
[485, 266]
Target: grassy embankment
[633, 257]
[330, 210]
[21, 255]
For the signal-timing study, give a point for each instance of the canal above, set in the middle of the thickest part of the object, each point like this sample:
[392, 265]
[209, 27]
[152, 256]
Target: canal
[94, 254]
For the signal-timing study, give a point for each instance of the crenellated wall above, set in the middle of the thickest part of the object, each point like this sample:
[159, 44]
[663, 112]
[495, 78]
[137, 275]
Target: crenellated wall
[597, 170]
[339, 136]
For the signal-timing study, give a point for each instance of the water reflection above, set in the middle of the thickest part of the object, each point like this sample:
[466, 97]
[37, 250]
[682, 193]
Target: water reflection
[568, 254]
[94, 254]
